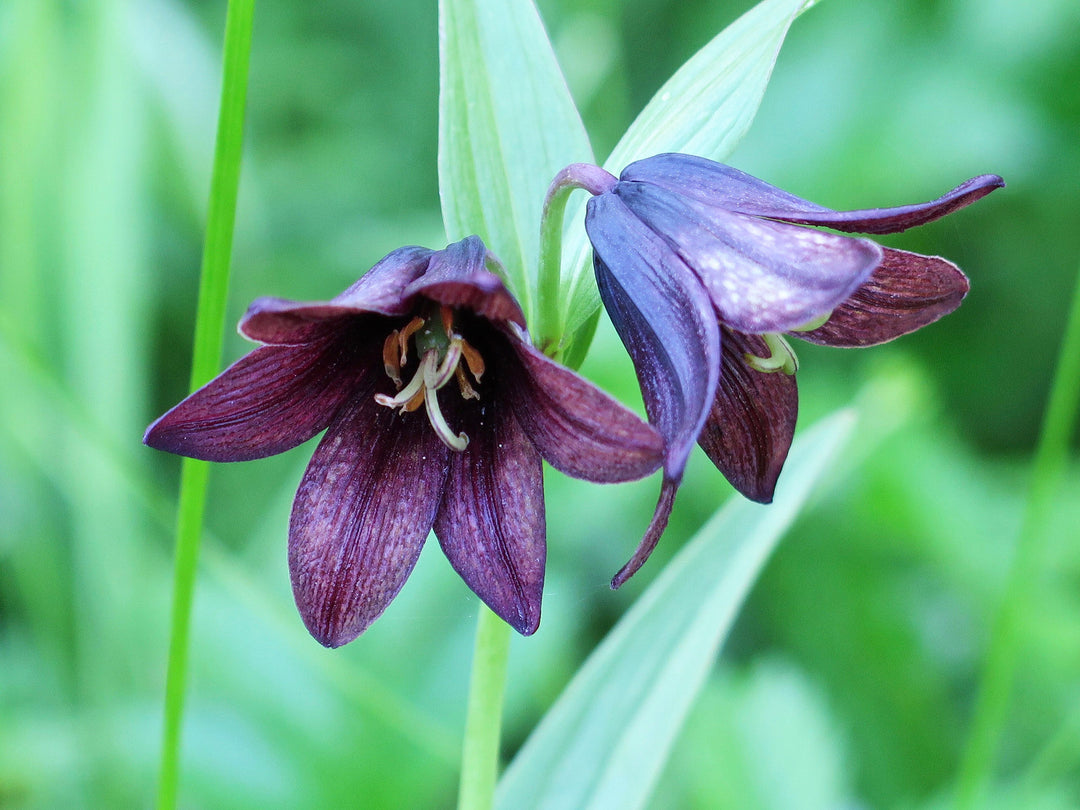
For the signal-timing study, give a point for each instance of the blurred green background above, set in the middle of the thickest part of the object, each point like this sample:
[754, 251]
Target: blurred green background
[851, 676]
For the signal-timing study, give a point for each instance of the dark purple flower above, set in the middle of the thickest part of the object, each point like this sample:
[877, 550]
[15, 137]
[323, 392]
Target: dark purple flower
[703, 268]
[437, 412]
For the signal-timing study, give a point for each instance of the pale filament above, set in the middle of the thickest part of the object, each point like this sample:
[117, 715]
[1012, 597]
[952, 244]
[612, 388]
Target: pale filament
[781, 356]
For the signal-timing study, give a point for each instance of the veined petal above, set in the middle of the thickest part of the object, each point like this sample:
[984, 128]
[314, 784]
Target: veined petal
[269, 401]
[363, 510]
[491, 522]
[762, 276]
[458, 277]
[725, 187]
[380, 291]
[665, 320]
[579, 429]
[752, 421]
[905, 292]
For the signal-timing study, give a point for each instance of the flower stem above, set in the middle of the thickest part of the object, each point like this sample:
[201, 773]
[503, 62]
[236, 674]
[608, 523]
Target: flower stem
[999, 668]
[480, 752]
[549, 317]
[206, 357]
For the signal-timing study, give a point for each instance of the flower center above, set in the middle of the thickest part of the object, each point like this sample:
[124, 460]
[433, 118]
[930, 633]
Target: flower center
[440, 351]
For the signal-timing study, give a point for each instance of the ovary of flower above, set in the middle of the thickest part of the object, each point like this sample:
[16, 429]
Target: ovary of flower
[441, 351]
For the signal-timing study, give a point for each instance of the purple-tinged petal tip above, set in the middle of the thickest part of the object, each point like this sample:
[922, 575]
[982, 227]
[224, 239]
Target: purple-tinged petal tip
[652, 535]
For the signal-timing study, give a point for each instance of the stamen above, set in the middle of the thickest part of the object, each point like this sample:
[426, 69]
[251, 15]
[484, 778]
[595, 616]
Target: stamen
[403, 339]
[467, 391]
[390, 359]
[438, 421]
[447, 316]
[473, 360]
[781, 356]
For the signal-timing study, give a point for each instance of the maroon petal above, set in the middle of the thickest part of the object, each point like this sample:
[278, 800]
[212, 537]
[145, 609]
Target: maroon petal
[749, 430]
[578, 428]
[267, 402]
[459, 277]
[762, 276]
[363, 510]
[491, 521]
[724, 187]
[905, 292]
[381, 291]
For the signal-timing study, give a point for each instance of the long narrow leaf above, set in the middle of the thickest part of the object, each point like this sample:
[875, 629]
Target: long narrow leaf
[604, 743]
[507, 124]
[704, 109]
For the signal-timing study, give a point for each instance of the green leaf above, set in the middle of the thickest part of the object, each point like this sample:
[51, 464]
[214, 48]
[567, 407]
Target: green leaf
[704, 109]
[507, 125]
[605, 741]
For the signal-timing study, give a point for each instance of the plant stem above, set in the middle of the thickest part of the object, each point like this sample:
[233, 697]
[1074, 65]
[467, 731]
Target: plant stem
[549, 316]
[999, 668]
[483, 722]
[206, 357]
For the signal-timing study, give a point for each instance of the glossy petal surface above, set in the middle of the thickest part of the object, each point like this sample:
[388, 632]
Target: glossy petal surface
[905, 292]
[578, 428]
[752, 421]
[363, 510]
[725, 187]
[269, 401]
[665, 321]
[491, 523]
[762, 276]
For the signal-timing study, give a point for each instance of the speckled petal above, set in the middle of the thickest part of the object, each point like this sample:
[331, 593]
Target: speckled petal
[665, 320]
[363, 510]
[269, 401]
[491, 522]
[905, 292]
[752, 421]
[578, 428]
[725, 187]
[762, 276]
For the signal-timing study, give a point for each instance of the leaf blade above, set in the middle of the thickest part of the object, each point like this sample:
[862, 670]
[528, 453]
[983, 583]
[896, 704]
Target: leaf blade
[507, 125]
[604, 742]
[704, 109]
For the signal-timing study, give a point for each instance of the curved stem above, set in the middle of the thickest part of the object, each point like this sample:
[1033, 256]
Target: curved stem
[999, 668]
[549, 316]
[209, 337]
[483, 722]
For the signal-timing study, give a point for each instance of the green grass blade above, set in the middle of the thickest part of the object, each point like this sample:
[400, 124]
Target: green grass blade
[604, 743]
[209, 335]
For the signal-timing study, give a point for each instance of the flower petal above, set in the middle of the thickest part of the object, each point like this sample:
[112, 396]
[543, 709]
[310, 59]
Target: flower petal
[905, 292]
[458, 277]
[652, 535]
[752, 421]
[725, 187]
[762, 276]
[665, 320]
[361, 515]
[491, 521]
[267, 402]
[381, 290]
[578, 428]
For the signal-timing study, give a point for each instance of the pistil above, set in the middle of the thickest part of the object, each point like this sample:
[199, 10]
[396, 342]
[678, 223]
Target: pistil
[781, 356]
